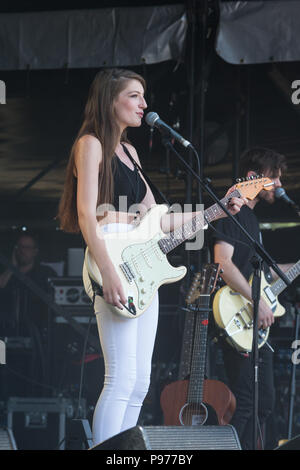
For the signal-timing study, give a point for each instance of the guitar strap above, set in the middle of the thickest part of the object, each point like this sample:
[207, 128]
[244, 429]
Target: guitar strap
[266, 269]
[150, 183]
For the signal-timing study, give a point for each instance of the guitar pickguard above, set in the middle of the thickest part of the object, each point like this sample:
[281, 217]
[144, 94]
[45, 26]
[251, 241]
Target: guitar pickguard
[148, 268]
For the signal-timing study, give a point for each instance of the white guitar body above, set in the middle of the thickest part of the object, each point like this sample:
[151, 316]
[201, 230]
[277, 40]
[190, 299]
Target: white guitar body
[234, 314]
[139, 262]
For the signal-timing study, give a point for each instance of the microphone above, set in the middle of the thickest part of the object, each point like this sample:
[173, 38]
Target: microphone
[281, 194]
[154, 120]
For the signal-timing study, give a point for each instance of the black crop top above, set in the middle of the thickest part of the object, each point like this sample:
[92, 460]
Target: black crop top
[127, 183]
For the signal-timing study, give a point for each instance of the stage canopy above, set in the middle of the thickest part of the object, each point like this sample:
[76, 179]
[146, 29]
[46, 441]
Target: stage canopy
[92, 38]
[259, 32]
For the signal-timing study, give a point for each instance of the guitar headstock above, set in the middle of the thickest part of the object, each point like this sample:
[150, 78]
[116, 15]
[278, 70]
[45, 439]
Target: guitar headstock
[204, 282]
[251, 186]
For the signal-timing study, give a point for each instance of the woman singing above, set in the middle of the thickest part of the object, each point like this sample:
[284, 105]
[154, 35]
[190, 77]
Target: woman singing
[101, 170]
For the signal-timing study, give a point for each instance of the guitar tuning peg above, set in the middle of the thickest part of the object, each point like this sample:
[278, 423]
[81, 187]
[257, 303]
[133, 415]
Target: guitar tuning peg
[238, 180]
[221, 271]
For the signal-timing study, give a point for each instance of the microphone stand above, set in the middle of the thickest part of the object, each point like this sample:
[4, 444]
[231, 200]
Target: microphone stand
[255, 293]
[260, 254]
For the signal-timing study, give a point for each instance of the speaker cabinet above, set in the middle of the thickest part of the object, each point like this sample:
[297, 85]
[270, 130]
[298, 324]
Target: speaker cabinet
[173, 438]
[7, 440]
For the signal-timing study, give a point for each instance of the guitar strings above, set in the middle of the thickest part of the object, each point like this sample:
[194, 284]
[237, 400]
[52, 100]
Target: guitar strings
[144, 253]
[212, 208]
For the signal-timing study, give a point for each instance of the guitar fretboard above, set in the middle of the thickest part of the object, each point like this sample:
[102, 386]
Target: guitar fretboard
[198, 365]
[279, 285]
[189, 229]
[187, 346]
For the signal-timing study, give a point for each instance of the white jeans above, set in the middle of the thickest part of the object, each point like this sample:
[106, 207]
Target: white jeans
[127, 345]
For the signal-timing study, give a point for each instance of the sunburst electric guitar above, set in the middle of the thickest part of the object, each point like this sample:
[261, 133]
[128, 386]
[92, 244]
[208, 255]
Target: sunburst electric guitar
[196, 400]
[140, 256]
[233, 313]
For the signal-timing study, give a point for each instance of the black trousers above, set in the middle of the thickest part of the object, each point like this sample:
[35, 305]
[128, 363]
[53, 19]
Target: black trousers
[239, 370]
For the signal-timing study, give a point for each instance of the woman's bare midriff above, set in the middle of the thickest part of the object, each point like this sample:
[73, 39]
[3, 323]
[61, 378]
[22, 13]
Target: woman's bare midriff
[114, 217]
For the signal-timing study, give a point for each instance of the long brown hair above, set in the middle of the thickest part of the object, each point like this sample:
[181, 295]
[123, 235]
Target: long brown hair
[99, 121]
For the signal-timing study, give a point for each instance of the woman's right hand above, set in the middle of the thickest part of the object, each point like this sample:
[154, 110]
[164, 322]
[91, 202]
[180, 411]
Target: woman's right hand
[265, 315]
[112, 288]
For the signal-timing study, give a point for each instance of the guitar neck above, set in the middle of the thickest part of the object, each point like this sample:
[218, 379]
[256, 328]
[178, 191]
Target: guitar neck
[187, 346]
[279, 285]
[189, 229]
[198, 365]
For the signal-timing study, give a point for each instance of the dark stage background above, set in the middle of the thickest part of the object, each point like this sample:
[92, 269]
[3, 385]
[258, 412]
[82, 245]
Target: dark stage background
[223, 109]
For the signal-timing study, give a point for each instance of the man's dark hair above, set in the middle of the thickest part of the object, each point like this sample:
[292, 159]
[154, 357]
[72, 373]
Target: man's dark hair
[260, 159]
[28, 233]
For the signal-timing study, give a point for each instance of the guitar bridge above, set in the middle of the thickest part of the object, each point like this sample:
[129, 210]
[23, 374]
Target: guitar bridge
[238, 323]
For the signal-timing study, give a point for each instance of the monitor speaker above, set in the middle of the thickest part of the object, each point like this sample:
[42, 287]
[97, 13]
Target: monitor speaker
[7, 440]
[292, 444]
[173, 438]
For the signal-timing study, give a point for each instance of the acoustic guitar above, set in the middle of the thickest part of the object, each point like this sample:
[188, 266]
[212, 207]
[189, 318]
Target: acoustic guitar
[196, 400]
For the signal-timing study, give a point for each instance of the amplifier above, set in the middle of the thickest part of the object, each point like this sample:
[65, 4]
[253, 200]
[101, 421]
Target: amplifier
[81, 313]
[40, 423]
[69, 291]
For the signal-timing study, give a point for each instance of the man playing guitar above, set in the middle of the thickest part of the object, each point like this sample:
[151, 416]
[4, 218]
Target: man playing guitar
[233, 252]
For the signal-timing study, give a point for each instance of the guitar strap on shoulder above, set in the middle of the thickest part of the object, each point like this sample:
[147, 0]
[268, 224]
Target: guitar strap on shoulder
[150, 183]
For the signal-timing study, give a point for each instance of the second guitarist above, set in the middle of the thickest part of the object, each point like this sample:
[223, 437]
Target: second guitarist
[233, 253]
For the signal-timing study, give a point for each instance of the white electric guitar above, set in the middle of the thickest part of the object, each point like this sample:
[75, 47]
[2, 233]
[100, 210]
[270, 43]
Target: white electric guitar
[140, 255]
[233, 313]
